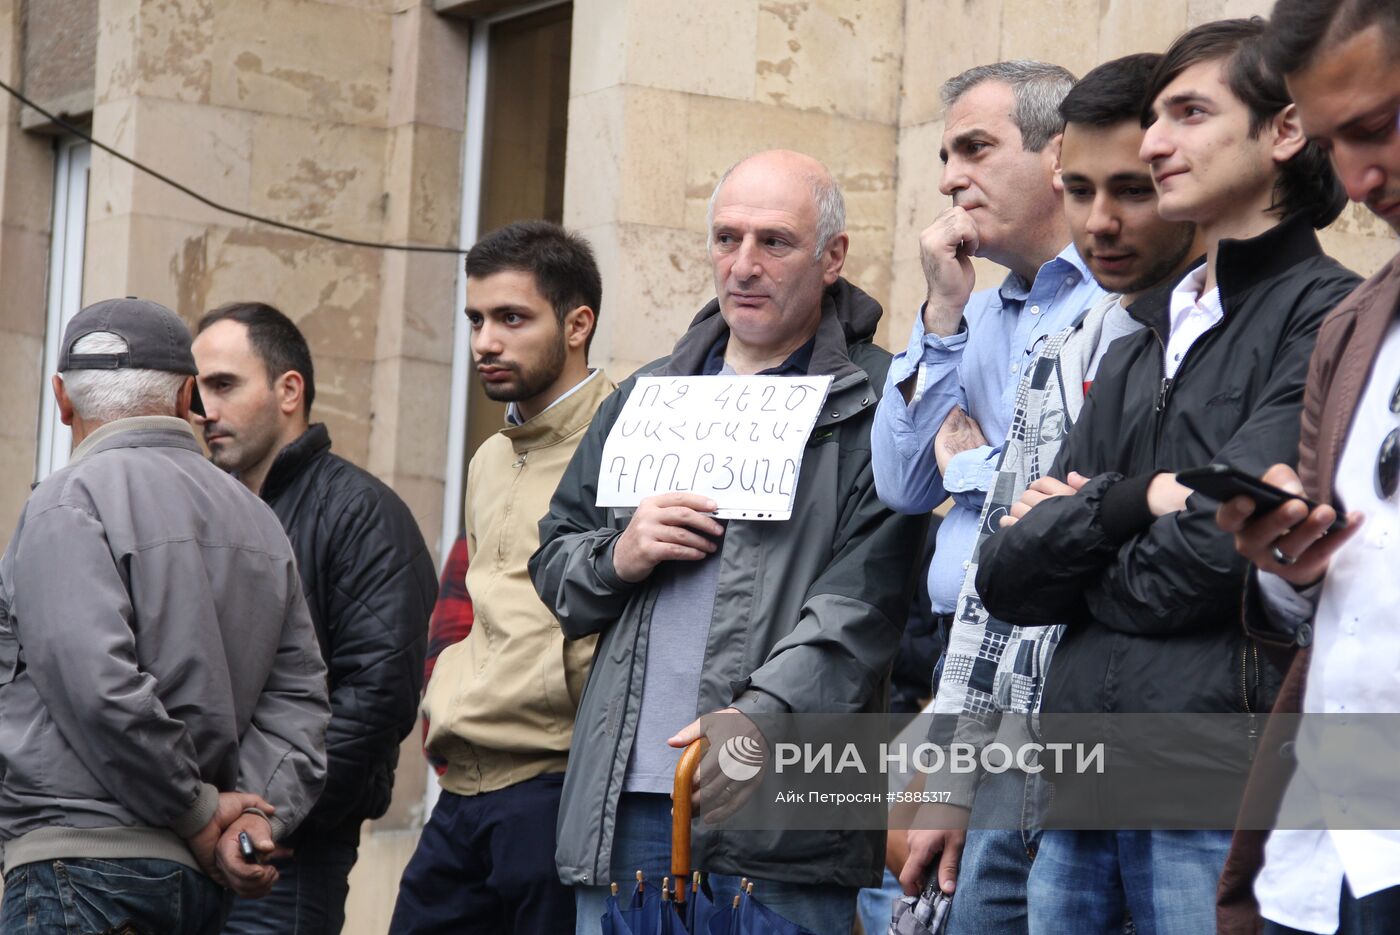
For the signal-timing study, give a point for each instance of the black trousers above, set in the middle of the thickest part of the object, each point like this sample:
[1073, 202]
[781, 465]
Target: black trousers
[485, 864]
[309, 896]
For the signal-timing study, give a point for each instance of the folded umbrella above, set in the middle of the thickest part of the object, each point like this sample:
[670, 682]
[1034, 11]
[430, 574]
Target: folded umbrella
[689, 910]
[641, 914]
[925, 914]
[747, 916]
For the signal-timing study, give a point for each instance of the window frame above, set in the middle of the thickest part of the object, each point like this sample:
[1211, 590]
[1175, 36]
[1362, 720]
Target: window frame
[67, 250]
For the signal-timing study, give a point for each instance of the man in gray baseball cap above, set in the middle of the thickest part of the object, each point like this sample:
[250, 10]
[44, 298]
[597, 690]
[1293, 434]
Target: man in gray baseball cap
[155, 336]
[160, 683]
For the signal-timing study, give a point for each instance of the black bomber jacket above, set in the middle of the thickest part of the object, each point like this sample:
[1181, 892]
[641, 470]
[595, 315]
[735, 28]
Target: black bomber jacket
[370, 585]
[1151, 607]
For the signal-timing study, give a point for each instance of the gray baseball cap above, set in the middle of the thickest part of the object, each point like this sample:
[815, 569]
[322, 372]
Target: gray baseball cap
[156, 338]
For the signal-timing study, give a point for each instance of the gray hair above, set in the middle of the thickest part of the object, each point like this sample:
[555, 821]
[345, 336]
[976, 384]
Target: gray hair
[108, 395]
[831, 208]
[1038, 87]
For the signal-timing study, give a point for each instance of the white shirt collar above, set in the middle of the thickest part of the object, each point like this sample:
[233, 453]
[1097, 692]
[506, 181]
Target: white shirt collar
[1187, 297]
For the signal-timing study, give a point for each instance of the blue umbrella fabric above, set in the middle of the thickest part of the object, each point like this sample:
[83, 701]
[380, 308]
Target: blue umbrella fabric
[649, 911]
[748, 916]
[698, 908]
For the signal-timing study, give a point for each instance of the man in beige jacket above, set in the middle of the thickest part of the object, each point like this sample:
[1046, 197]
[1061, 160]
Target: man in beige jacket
[501, 703]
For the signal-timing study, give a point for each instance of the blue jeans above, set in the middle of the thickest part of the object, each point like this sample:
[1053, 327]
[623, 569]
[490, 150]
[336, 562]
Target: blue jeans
[309, 897]
[1377, 914]
[875, 905]
[1087, 881]
[84, 896]
[997, 858]
[642, 841]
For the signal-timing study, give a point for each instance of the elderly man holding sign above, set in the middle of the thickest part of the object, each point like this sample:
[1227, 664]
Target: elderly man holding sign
[780, 590]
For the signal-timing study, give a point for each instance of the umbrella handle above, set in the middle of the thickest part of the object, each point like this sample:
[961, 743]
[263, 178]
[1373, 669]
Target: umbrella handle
[680, 814]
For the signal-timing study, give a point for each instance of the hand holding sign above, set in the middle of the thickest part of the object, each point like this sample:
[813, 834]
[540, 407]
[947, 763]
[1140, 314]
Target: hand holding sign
[670, 527]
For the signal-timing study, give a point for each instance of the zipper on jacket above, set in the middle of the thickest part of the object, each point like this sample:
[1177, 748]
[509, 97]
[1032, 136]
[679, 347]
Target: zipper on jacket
[1162, 391]
[1250, 648]
[502, 544]
[1246, 649]
[1168, 383]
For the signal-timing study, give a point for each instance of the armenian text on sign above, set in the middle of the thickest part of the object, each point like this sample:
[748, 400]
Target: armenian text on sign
[738, 440]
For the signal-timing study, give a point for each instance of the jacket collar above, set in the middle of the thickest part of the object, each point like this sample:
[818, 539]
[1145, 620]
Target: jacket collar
[848, 316]
[137, 432]
[1242, 264]
[1153, 307]
[291, 460]
[562, 419]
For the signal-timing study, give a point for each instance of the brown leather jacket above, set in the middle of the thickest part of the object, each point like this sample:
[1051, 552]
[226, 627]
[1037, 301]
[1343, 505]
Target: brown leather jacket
[1341, 364]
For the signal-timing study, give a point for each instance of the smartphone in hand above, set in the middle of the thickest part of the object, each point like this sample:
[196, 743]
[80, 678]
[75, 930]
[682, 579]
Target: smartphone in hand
[1222, 482]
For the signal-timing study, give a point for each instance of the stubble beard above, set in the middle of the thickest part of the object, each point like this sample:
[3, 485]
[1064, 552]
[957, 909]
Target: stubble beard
[1163, 266]
[534, 381]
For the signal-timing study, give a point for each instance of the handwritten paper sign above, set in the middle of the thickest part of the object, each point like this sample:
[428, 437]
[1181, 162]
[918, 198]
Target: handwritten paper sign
[735, 439]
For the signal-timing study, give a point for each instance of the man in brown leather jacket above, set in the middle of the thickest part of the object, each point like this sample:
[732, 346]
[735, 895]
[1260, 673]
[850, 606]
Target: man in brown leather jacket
[1311, 591]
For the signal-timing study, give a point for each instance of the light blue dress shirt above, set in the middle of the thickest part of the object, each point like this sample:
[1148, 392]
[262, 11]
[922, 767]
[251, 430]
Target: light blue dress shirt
[978, 369]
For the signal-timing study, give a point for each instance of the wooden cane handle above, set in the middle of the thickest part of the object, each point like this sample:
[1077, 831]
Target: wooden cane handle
[681, 812]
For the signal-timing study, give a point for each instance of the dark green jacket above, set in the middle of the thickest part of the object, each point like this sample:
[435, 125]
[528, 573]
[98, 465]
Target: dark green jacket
[808, 612]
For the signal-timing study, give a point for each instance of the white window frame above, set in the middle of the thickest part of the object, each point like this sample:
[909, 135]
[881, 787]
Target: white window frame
[72, 161]
[473, 152]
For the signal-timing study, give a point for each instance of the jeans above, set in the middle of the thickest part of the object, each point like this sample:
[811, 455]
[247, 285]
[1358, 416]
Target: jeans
[84, 896]
[996, 860]
[485, 864]
[875, 905]
[309, 897]
[642, 841]
[1087, 881]
[1377, 914]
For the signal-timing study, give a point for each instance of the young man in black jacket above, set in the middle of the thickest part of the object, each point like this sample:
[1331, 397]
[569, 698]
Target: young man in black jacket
[369, 582]
[1109, 544]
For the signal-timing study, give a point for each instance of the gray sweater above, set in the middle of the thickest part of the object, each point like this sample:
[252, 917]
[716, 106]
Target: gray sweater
[155, 650]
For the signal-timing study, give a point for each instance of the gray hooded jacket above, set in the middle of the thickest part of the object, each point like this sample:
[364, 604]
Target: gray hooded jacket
[807, 616]
[155, 650]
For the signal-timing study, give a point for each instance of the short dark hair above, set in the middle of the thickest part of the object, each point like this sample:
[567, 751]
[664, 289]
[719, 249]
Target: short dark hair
[1111, 93]
[565, 272]
[1299, 29]
[1306, 183]
[276, 340]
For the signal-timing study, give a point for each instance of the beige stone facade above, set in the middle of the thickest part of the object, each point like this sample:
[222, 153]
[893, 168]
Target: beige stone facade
[350, 117]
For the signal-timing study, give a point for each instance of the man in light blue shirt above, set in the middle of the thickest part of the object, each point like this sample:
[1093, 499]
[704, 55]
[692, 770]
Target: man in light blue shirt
[949, 397]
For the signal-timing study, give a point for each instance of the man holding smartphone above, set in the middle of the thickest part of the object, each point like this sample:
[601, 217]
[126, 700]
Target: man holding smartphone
[1332, 595]
[1108, 543]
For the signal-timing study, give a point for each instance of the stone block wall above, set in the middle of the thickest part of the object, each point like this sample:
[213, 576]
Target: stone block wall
[343, 116]
[26, 197]
[667, 94]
